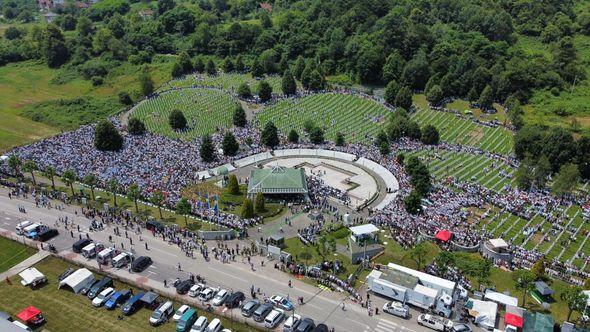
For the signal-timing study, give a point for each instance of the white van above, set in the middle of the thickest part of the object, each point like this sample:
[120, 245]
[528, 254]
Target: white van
[200, 325]
[291, 323]
[121, 260]
[214, 326]
[274, 318]
[21, 226]
[105, 255]
[434, 322]
[34, 227]
[161, 315]
[92, 249]
[22, 326]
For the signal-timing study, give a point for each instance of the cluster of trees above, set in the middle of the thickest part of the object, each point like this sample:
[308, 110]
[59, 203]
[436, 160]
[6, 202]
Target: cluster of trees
[420, 180]
[400, 125]
[551, 152]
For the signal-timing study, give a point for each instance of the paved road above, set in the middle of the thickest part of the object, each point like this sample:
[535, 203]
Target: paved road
[322, 306]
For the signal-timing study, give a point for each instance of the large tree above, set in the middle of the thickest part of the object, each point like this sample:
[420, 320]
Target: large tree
[184, 208]
[316, 135]
[239, 116]
[177, 120]
[135, 126]
[288, 84]
[146, 83]
[270, 135]
[69, 177]
[229, 144]
[49, 172]
[134, 194]
[403, 98]
[107, 137]
[54, 47]
[207, 149]
[30, 166]
[430, 135]
[524, 280]
[264, 91]
[158, 199]
[566, 179]
[575, 300]
[91, 180]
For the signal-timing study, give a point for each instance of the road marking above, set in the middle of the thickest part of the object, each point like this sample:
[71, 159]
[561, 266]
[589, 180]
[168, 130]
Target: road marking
[151, 272]
[6, 218]
[152, 267]
[164, 252]
[5, 223]
[227, 274]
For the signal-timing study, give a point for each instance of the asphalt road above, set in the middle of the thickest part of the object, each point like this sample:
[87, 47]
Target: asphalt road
[322, 306]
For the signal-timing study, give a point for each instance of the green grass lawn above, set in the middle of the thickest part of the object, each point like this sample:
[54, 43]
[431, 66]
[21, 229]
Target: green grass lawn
[233, 204]
[395, 253]
[66, 311]
[12, 253]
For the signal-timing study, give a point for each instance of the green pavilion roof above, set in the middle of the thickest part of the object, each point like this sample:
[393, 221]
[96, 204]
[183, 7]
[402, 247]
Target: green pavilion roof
[277, 180]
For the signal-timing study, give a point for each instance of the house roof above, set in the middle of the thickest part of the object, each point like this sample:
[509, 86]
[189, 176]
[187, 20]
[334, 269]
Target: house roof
[277, 180]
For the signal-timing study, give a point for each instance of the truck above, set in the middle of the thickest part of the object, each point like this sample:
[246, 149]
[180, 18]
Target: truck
[411, 293]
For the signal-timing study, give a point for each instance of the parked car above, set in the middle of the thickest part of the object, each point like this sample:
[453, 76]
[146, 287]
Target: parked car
[274, 318]
[183, 286]
[207, 294]
[65, 274]
[117, 299]
[121, 260]
[200, 325]
[434, 322]
[20, 227]
[86, 288]
[99, 287]
[321, 328]
[183, 308]
[260, 313]
[306, 325]
[133, 304]
[281, 302]
[46, 234]
[78, 245]
[141, 263]
[104, 296]
[220, 297]
[397, 309]
[196, 289]
[187, 320]
[234, 300]
[214, 326]
[162, 313]
[249, 307]
[291, 323]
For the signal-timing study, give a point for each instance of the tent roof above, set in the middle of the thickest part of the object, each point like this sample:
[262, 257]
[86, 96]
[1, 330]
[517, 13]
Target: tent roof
[543, 288]
[425, 278]
[74, 279]
[514, 320]
[501, 298]
[498, 243]
[444, 235]
[28, 313]
[149, 297]
[30, 275]
[364, 229]
[537, 322]
[278, 180]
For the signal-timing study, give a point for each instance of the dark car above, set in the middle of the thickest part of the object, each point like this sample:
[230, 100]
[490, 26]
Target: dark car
[140, 263]
[183, 287]
[89, 285]
[261, 312]
[249, 308]
[78, 245]
[133, 304]
[321, 328]
[99, 286]
[306, 325]
[233, 301]
[65, 274]
[46, 234]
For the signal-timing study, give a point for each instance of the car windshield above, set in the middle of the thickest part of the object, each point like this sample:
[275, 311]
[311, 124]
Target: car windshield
[156, 315]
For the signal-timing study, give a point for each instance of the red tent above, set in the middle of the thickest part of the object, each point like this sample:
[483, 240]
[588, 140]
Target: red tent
[443, 235]
[30, 315]
[514, 320]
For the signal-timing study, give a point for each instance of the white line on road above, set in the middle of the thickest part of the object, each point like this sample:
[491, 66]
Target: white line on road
[228, 274]
[152, 267]
[151, 272]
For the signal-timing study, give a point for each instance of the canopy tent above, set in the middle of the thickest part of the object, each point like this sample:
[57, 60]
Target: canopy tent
[484, 312]
[501, 298]
[77, 280]
[364, 229]
[30, 315]
[444, 235]
[31, 276]
[537, 322]
[498, 243]
[543, 288]
[150, 299]
[514, 320]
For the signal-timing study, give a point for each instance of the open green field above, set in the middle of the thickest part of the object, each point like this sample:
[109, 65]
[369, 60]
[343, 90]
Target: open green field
[206, 111]
[26, 84]
[462, 130]
[12, 253]
[229, 82]
[66, 311]
[357, 118]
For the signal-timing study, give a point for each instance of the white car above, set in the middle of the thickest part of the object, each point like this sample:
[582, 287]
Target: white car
[291, 323]
[206, 294]
[281, 302]
[200, 325]
[214, 326]
[195, 290]
[103, 297]
[178, 314]
[220, 297]
[397, 309]
[274, 318]
[434, 322]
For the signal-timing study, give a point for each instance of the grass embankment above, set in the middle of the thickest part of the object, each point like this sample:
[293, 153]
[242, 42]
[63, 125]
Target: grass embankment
[66, 311]
[31, 91]
[12, 253]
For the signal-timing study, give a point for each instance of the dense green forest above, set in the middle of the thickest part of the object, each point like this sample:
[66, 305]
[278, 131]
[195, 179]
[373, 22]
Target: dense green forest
[470, 49]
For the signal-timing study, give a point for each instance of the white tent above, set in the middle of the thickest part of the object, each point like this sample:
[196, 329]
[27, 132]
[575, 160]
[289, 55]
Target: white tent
[31, 276]
[77, 280]
[484, 312]
[501, 298]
